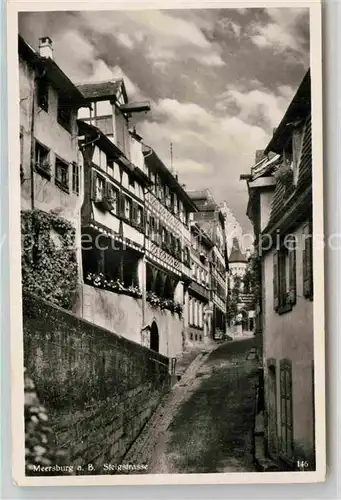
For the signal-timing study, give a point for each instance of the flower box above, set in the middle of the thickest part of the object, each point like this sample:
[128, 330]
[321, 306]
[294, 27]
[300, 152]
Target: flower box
[100, 281]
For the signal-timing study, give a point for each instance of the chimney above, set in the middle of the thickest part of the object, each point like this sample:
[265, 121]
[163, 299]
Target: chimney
[45, 47]
[259, 155]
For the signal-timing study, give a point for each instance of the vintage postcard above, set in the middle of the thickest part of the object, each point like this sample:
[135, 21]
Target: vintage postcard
[166, 242]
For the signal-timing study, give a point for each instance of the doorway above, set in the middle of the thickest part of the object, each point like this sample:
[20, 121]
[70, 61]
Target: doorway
[154, 337]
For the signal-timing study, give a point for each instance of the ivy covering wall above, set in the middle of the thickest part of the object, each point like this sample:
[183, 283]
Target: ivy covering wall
[49, 263]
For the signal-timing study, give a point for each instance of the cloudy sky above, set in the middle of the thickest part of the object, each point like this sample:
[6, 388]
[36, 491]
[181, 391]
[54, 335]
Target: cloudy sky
[219, 80]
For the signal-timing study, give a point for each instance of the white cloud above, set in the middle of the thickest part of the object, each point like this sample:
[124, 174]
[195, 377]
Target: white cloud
[282, 32]
[190, 166]
[228, 26]
[257, 104]
[162, 36]
[125, 40]
[202, 142]
[82, 66]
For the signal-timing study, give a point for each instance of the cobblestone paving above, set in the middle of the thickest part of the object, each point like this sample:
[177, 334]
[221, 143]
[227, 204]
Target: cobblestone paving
[204, 424]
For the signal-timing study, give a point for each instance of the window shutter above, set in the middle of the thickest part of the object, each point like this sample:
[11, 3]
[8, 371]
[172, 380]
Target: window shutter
[286, 407]
[93, 185]
[307, 262]
[292, 273]
[122, 204]
[275, 281]
[146, 223]
[134, 213]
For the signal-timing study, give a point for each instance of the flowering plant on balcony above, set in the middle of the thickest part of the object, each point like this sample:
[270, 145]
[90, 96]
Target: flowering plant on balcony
[98, 280]
[178, 308]
[153, 299]
[134, 291]
[285, 174]
[167, 304]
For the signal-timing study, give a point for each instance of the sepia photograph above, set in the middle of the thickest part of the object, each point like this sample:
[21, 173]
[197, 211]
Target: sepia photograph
[168, 208]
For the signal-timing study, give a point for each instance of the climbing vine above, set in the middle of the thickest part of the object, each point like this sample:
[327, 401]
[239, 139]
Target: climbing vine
[49, 264]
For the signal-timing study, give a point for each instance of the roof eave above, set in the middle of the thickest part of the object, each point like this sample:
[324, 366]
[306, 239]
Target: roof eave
[299, 105]
[159, 163]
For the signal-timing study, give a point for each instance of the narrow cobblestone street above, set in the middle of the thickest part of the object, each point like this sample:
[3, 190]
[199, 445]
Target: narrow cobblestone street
[205, 423]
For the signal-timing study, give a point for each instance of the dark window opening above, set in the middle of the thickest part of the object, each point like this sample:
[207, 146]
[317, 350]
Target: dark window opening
[112, 198]
[131, 181]
[114, 265]
[42, 163]
[43, 94]
[154, 337]
[64, 113]
[62, 174]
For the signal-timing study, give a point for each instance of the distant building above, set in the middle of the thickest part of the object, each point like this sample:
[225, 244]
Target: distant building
[238, 266]
[210, 219]
[280, 207]
[237, 262]
[199, 306]
[50, 164]
[167, 253]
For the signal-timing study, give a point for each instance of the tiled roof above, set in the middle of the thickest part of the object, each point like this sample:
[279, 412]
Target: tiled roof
[203, 199]
[100, 90]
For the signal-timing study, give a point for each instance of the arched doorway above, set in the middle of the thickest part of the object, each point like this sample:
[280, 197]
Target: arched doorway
[154, 337]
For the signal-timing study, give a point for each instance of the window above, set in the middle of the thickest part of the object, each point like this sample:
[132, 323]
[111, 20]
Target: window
[159, 187]
[139, 216]
[43, 94]
[292, 149]
[154, 181]
[297, 137]
[186, 256]
[194, 311]
[152, 228]
[75, 178]
[110, 167]
[100, 188]
[42, 164]
[200, 315]
[62, 174]
[131, 181]
[307, 261]
[128, 208]
[172, 202]
[64, 113]
[284, 275]
[286, 434]
[194, 270]
[112, 196]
